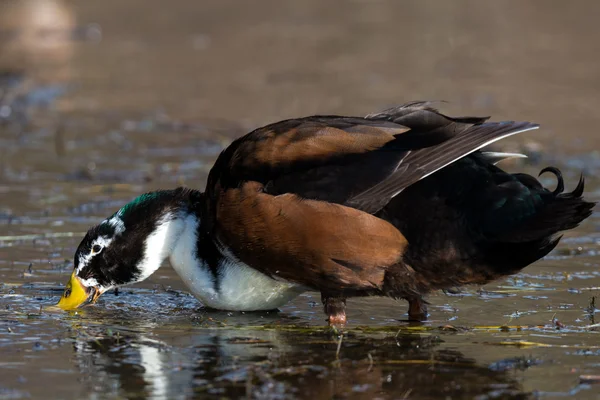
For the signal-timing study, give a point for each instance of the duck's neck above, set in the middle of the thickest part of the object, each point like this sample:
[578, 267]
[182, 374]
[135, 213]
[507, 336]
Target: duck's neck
[171, 232]
[175, 230]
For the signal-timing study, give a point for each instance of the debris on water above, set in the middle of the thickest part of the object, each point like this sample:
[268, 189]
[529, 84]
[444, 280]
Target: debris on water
[556, 322]
[521, 343]
[592, 306]
[496, 294]
[516, 363]
[29, 272]
[593, 326]
[595, 379]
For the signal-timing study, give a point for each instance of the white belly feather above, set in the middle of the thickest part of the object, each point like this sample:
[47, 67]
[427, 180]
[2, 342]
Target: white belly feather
[241, 288]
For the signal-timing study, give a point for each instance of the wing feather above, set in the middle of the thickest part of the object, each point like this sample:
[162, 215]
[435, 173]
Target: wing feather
[358, 162]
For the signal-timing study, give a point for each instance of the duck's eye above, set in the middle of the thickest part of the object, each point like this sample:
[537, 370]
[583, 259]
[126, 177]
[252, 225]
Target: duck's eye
[96, 249]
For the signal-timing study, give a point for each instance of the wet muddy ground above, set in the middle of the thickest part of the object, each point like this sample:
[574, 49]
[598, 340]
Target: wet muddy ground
[102, 101]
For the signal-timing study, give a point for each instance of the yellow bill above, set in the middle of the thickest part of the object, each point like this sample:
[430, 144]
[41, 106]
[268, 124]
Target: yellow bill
[74, 295]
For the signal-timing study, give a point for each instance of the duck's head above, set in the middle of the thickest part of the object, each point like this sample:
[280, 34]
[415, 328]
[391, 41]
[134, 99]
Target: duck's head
[102, 261]
[128, 246]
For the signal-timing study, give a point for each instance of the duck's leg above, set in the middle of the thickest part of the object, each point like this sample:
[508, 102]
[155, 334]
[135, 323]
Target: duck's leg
[417, 309]
[335, 308]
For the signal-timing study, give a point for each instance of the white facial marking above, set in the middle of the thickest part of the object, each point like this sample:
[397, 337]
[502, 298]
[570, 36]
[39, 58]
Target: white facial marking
[117, 223]
[102, 241]
[84, 259]
[90, 282]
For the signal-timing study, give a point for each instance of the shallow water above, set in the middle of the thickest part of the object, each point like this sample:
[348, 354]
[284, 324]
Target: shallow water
[117, 99]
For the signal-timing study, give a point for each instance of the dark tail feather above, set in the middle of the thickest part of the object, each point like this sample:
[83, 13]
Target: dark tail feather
[563, 212]
[537, 236]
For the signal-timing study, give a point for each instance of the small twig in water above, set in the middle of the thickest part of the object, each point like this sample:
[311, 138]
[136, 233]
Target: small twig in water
[339, 347]
[510, 320]
[249, 384]
[432, 360]
[556, 323]
[591, 310]
[370, 362]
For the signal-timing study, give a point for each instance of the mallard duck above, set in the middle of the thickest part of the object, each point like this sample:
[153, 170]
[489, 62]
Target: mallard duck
[398, 203]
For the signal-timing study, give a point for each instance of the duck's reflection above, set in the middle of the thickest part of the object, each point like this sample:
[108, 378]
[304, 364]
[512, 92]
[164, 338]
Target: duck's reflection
[189, 363]
[130, 365]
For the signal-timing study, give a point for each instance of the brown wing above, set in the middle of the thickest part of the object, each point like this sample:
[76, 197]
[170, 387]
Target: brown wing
[322, 245]
[307, 156]
[359, 162]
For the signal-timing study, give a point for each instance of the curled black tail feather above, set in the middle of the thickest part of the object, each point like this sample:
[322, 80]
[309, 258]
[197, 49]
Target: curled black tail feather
[538, 235]
[578, 192]
[560, 186]
[560, 212]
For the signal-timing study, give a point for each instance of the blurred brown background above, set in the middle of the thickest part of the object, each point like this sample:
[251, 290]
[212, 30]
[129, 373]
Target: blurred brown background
[256, 62]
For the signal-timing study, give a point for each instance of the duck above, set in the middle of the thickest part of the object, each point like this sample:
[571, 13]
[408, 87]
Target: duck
[399, 203]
